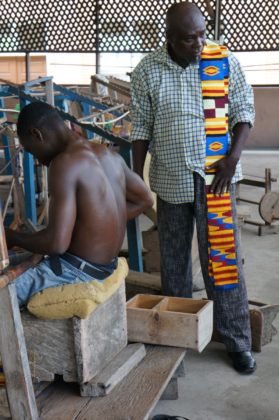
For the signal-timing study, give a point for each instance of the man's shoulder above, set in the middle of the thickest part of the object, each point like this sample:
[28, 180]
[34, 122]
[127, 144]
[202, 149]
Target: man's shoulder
[150, 60]
[73, 155]
[233, 60]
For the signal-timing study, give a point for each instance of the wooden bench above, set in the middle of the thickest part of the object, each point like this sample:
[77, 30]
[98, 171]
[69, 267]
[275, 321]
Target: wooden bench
[134, 397]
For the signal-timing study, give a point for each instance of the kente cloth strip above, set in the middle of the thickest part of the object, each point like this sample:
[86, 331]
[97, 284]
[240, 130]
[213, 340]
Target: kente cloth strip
[214, 74]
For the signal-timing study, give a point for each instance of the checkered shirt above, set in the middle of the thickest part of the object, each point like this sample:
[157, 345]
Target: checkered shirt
[167, 111]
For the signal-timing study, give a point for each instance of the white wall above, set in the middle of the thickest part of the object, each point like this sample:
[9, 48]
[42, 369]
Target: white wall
[261, 68]
[71, 68]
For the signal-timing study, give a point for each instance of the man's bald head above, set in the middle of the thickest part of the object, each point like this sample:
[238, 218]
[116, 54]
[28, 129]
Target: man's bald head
[185, 33]
[180, 15]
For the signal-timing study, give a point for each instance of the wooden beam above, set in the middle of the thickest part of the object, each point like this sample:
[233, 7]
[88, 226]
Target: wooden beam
[114, 372]
[19, 386]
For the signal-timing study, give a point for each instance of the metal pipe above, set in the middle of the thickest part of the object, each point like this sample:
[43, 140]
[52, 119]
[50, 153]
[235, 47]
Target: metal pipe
[27, 66]
[97, 39]
[247, 201]
[217, 19]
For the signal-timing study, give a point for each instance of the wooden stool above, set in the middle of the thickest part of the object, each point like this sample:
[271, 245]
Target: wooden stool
[78, 349]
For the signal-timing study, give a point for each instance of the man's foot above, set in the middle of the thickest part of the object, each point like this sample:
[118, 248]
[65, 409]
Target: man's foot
[243, 361]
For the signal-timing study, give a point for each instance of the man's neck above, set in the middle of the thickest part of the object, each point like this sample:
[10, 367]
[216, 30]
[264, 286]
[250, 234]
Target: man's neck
[182, 62]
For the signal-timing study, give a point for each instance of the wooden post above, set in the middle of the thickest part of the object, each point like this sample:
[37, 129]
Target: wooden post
[217, 22]
[49, 91]
[14, 357]
[12, 347]
[4, 258]
[27, 66]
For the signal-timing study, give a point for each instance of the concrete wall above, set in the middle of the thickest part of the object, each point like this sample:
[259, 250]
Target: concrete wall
[265, 133]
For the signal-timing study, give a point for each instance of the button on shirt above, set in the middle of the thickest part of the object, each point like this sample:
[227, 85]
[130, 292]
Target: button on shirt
[167, 111]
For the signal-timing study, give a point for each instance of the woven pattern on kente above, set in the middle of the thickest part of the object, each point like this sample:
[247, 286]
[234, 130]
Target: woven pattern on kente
[214, 73]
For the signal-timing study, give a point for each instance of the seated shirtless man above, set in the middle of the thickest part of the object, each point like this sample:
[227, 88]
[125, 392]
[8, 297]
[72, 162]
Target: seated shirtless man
[92, 195]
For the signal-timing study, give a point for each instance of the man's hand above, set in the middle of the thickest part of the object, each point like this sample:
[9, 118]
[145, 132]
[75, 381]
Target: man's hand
[225, 169]
[139, 148]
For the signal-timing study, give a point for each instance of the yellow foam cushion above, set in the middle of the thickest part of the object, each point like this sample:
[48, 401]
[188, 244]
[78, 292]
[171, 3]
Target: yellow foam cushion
[79, 299]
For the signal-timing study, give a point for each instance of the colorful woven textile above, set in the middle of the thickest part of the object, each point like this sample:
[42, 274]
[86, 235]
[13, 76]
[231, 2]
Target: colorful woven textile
[214, 73]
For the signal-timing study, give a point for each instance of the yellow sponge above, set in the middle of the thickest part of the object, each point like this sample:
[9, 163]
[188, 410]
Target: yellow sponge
[79, 299]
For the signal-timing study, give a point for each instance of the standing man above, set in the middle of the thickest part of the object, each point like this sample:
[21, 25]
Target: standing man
[192, 109]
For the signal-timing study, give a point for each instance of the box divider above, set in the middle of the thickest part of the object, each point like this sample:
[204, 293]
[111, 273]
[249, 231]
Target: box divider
[161, 306]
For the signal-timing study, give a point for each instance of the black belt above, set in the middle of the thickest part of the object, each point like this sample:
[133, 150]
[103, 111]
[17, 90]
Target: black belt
[86, 268]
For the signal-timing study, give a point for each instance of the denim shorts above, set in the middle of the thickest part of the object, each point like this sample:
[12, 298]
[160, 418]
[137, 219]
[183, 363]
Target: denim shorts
[41, 277]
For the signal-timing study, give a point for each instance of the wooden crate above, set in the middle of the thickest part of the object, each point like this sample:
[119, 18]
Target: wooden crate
[170, 321]
[78, 349]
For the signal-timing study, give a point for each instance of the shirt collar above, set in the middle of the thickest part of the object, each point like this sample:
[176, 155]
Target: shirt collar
[162, 56]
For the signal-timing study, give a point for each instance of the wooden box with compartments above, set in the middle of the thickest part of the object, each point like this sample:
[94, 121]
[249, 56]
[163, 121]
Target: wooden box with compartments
[170, 321]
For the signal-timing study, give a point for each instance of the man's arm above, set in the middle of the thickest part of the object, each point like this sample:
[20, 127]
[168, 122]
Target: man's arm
[138, 196]
[56, 237]
[139, 150]
[142, 118]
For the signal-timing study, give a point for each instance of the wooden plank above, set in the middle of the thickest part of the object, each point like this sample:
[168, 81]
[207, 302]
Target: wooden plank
[205, 326]
[50, 346]
[4, 405]
[151, 281]
[14, 357]
[261, 316]
[142, 283]
[134, 397]
[137, 395]
[101, 336]
[61, 401]
[4, 257]
[119, 367]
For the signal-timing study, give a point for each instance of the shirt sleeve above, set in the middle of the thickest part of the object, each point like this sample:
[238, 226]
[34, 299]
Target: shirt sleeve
[241, 96]
[141, 107]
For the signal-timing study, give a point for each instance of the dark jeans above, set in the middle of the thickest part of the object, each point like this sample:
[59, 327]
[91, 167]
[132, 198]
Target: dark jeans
[175, 228]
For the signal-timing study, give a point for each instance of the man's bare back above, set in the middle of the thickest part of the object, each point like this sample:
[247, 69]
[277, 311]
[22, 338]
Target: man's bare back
[96, 177]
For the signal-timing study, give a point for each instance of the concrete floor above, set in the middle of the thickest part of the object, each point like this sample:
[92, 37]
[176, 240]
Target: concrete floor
[211, 389]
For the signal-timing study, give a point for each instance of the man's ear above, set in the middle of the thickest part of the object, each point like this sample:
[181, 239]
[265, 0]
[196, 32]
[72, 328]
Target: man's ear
[35, 132]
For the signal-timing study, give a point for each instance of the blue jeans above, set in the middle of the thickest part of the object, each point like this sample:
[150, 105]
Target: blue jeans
[41, 277]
